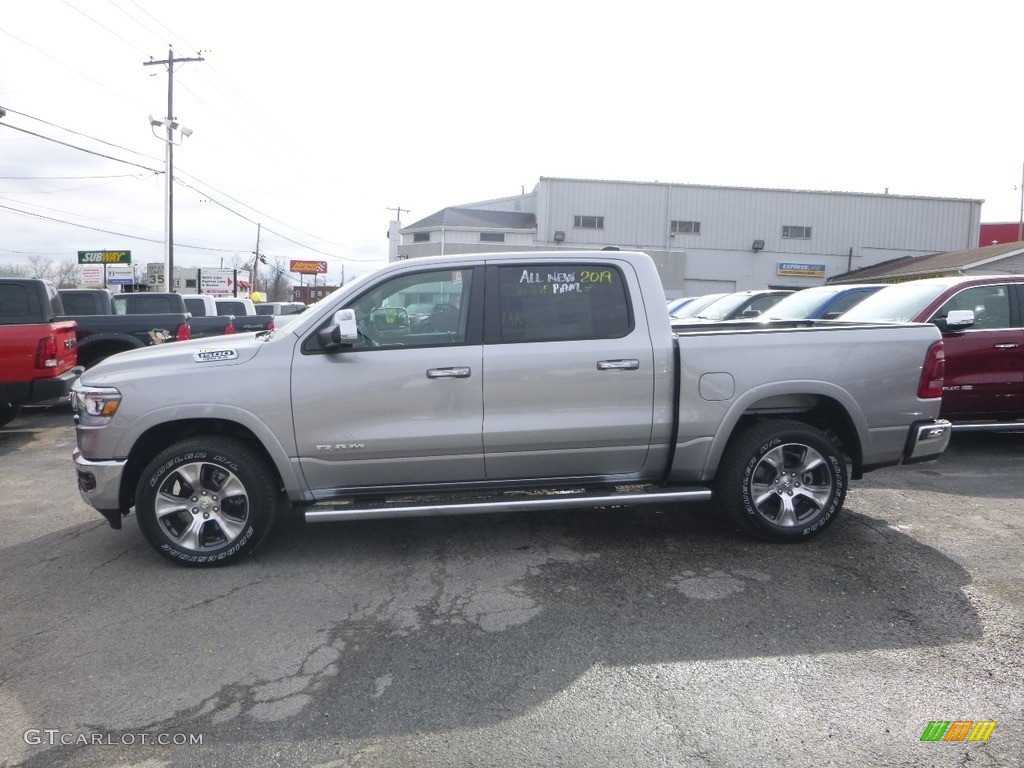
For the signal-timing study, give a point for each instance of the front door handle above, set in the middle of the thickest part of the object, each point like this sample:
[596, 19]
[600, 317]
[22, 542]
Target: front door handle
[1008, 345]
[618, 365]
[456, 372]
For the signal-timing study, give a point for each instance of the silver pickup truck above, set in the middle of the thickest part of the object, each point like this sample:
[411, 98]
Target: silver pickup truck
[499, 382]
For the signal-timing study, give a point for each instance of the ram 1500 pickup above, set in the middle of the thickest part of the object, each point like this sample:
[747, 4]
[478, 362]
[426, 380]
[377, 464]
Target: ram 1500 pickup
[38, 352]
[247, 320]
[205, 316]
[553, 380]
[111, 323]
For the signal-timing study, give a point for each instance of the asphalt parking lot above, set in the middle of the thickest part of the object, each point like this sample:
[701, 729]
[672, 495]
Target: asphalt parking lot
[588, 638]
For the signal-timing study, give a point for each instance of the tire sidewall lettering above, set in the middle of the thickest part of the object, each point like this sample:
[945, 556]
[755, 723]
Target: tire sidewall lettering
[836, 471]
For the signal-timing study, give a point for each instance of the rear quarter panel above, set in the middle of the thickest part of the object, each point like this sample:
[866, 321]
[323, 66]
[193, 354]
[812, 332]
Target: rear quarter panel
[871, 372]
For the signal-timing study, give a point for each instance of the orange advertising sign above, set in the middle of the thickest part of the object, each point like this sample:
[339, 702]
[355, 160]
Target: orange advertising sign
[309, 267]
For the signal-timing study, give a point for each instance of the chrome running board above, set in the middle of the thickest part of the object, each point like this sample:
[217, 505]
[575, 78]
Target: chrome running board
[406, 506]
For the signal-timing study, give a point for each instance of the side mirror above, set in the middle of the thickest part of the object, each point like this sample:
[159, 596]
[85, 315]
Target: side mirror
[342, 331]
[957, 320]
[749, 313]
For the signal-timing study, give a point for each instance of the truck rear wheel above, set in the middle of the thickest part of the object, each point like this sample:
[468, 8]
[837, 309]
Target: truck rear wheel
[782, 480]
[206, 501]
[8, 412]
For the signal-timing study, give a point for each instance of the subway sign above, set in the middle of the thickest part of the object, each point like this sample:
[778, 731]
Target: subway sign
[104, 257]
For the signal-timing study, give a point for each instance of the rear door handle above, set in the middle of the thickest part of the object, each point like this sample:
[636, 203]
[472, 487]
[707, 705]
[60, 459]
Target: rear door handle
[1008, 345]
[456, 372]
[618, 365]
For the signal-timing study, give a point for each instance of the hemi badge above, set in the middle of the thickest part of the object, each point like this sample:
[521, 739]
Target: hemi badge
[213, 355]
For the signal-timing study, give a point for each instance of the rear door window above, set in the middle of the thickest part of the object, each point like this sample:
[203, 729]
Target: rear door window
[561, 302]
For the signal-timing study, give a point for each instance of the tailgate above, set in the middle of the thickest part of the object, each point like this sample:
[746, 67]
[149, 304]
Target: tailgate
[67, 346]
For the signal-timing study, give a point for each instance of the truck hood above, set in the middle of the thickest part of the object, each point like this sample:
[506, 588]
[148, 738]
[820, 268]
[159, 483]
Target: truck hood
[174, 357]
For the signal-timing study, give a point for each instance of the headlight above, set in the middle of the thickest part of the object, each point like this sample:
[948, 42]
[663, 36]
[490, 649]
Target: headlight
[95, 406]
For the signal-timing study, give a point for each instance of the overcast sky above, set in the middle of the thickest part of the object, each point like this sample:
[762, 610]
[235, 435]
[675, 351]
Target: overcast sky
[315, 118]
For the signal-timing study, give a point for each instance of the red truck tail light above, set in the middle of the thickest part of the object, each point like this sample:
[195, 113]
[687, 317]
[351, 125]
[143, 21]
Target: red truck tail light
[270, 325]
[46, 353]
[229, 328]
[184, 332]
[933, 373]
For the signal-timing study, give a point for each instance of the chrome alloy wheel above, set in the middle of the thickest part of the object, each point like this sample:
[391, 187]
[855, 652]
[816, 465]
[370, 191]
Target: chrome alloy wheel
[791, 484]
[202, 506]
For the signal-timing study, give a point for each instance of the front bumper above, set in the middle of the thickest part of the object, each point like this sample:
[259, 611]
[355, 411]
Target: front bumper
[927, 440]
[99, 482]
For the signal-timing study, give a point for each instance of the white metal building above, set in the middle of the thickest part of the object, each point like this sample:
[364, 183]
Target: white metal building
[704, 239]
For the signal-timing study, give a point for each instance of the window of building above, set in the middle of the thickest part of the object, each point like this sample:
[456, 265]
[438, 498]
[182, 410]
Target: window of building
[796, 233]
[588, 222]
[685, 227]
[421, 237]
[562, 302]
[492, 237]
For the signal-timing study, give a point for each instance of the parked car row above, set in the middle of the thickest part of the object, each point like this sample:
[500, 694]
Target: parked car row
[981, 320]
[48, 336]
[982, 325]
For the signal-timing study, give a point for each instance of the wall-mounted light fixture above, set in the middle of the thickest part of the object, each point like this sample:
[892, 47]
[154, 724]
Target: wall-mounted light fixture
[758, 246]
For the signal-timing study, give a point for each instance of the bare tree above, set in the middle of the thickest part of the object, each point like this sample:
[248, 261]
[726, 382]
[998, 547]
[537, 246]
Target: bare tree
[278, 287]
[16, 271]
[67, 274]
[40, 267]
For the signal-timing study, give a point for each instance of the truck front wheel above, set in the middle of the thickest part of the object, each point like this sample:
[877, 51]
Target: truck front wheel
[206, 501]
[782, 480]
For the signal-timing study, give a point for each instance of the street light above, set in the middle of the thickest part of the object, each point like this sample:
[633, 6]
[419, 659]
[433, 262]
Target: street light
[173, 128]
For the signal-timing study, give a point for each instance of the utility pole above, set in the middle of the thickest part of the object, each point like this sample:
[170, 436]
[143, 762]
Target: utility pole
[171, 125]
[256, 260]
[399, 211]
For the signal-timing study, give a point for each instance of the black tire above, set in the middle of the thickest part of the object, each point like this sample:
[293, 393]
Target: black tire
[206, 501]
[8, 413]
[782, 481]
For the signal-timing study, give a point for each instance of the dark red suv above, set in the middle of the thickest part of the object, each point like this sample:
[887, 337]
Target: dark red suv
[982, 324]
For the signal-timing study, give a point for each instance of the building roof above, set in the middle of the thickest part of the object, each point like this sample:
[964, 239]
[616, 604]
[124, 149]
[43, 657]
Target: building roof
[932, 265]
[472, 218]
[834, 192]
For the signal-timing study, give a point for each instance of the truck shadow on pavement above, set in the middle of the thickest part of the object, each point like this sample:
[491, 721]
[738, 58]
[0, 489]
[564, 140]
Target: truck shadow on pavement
[376, 628]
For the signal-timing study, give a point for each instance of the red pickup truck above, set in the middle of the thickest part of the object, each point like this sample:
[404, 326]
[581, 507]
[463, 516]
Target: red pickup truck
[38, 354]
[982, 324]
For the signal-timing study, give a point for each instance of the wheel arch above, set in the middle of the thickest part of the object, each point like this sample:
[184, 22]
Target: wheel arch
[91, 352]
[826, 407]
[159, 436]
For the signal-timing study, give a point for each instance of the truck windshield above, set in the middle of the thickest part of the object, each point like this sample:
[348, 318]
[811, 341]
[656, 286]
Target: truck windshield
[800, 304]
[723, 307]
[900, 303]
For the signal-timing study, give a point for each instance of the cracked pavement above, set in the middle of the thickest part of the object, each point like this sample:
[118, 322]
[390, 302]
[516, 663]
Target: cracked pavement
[593, 637]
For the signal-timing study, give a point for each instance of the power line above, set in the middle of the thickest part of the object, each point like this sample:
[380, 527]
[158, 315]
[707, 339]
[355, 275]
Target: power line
[65, 178]
[68, 66]
[80, 149]
[108, 29]
[79, 133]
[189, 186]
[264, 215]
[111, 232]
